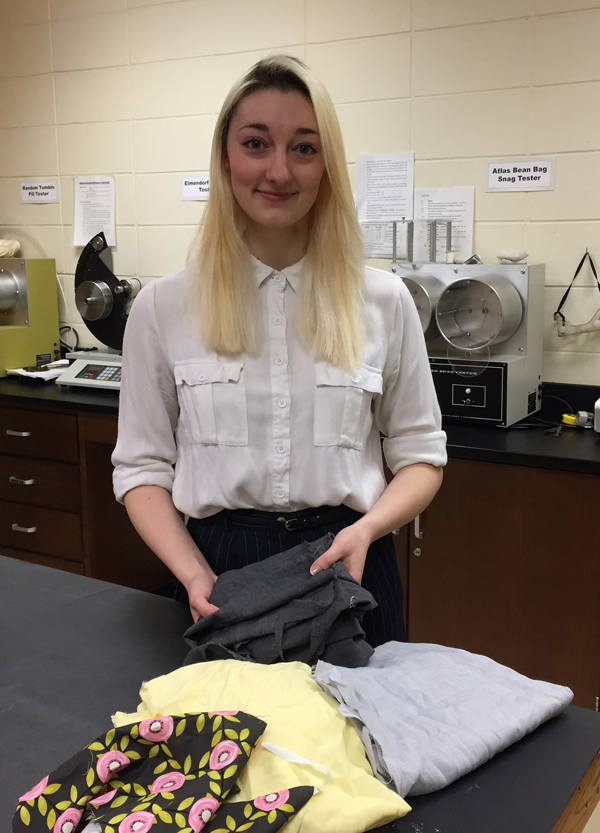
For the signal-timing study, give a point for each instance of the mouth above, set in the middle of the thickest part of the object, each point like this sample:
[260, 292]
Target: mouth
[276, 196]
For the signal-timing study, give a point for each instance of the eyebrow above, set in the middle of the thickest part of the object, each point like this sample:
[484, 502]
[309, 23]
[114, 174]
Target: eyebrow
[302, 131]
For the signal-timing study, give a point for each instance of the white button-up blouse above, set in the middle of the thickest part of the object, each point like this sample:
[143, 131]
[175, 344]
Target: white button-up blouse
[280, 430]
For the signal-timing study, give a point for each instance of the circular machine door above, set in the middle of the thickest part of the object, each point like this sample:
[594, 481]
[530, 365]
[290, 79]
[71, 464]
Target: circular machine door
[9, 293]
[476, 313]
[426, 291]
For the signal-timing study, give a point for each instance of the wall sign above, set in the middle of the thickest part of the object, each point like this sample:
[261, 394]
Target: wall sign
[195, 186]
[520, 174]
[38, 190]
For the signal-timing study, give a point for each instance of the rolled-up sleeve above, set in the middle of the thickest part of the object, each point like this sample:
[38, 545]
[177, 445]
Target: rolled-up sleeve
[146, 451]
[407, 413]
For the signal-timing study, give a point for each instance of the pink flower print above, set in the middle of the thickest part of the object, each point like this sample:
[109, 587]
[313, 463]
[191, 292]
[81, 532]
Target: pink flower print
[225, 714]
[103, 799]
[67, 822]
[36, 791]
[139, 822]
[110, 763]
[201, 812]
[271, 801]
[168, 782]
[223, 754]
[157, 729]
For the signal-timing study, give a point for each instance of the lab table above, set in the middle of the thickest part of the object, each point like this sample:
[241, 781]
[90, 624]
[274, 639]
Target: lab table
[74, 649]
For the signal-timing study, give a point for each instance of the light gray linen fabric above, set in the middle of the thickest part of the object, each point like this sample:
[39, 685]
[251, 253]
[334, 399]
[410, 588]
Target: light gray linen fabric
[428, 714]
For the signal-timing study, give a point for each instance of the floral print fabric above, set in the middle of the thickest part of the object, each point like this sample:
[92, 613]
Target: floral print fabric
[168, 773]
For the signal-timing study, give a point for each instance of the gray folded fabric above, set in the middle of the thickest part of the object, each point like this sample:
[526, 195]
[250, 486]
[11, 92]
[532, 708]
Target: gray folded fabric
[428, 714]
[275, 610]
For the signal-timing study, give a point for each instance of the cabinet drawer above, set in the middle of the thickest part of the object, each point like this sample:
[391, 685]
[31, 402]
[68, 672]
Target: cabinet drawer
[39, 434]
[41, 530]
[40, 483]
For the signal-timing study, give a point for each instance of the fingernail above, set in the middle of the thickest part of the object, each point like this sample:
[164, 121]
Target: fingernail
[314, 569]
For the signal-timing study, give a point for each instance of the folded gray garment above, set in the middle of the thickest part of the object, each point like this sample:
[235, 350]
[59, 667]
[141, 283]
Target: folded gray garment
[275, 610]
[428, 714]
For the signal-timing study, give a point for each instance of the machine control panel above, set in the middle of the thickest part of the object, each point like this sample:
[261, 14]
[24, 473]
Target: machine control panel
[92, 374]
[469, 395]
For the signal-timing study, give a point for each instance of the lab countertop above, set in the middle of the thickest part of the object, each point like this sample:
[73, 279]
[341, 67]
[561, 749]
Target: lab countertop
[576, 449]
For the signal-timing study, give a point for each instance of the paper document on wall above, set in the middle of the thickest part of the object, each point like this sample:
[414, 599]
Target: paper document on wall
[379, 239]
[94, 209]
[455, 204]
[384, 187]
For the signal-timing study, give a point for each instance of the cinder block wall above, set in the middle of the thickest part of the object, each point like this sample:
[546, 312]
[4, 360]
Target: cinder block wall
[131, 88]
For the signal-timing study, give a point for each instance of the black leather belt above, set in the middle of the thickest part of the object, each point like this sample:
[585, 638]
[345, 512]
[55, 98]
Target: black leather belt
[291, 521]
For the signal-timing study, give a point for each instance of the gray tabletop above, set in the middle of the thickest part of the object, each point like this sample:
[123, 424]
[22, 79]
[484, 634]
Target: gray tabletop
[73, 650]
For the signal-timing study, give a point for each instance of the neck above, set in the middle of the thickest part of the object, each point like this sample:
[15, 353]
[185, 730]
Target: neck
[278, 247]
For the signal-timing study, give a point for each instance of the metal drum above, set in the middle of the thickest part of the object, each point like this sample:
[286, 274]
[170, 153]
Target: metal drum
[476, 313]
[426, 292]
[9, 292]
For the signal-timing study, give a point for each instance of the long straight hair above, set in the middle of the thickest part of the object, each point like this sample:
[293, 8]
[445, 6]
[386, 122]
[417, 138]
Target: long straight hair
[331, 305]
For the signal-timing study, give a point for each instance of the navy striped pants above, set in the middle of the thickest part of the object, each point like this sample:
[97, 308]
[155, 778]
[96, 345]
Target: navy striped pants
[229, 546]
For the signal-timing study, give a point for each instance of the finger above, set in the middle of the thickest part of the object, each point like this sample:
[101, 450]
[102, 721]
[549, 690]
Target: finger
[204, 609]
[325, 561]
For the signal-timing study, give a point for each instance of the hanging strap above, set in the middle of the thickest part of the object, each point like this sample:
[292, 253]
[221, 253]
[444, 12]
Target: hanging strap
[577, 271]
[293, 758]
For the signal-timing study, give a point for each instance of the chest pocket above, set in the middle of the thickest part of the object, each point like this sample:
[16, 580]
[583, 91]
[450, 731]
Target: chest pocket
[343, 404]
[212, 399]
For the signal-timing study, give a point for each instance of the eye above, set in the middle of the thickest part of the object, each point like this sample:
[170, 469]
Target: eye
[306, 149]
[253, 144]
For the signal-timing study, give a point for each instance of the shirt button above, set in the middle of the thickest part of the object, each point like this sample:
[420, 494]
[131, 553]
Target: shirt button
[354, 378]
[280, 493]
[282, 403]
[277, 320]
[278, 360]
[281, 449]
[201, 377]
[277, 278]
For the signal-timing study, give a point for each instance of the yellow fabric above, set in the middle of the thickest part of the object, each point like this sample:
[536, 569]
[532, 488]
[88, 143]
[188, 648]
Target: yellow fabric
[299, 716]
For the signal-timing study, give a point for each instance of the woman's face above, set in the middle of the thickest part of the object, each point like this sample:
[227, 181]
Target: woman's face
[274, 157]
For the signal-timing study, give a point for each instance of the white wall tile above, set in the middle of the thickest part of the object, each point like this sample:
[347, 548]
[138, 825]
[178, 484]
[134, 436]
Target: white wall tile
[162, 145]
[93, 95]
[576, 195]
[561, 246]
[511, 205]
[158, 201]
[363, 70]
[563, 118]
[163, 250]
[13, 210]
[571, 368]
[125, 252]
[554, 6]
[192, 86]
[15, 13]
[438, 14]
[449, 126]
[28, 151]
[77, 46]
[67, 310]
[103, 148]
[60, 9]
[136, 4]
[27, 101]
[26, 50]
[203, 27]
[375, 127]
[566, 48]
[329, 20]
[491, 238]
[484, 57]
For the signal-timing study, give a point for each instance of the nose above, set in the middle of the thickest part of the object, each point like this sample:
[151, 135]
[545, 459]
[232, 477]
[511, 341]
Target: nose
[278, 171]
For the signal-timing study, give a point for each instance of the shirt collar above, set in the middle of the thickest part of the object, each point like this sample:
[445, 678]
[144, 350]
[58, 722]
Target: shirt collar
[291, 273]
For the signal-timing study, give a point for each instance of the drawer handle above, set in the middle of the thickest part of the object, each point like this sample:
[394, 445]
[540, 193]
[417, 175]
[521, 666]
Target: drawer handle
[18, 528]
[12, 433]
[18, 482]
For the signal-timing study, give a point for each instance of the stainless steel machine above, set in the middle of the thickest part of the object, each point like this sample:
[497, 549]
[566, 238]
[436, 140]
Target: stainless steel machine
[483, 329]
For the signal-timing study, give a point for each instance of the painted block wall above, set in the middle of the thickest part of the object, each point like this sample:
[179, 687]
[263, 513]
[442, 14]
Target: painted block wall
[131, 88]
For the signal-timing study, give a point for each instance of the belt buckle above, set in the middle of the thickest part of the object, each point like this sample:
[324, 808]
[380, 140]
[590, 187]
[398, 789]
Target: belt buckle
[289, 524]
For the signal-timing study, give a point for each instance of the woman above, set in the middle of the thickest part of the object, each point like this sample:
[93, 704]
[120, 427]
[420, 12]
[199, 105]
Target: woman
[256, 383]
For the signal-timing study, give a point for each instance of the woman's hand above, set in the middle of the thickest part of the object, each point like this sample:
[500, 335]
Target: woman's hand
[350, 547]
[199, 590]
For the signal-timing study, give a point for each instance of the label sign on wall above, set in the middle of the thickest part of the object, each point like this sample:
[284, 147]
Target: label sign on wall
[195, 186]
[520, 174]
[38, 190]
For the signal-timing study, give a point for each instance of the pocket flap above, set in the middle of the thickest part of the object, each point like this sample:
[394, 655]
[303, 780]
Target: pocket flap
[204, 373]
[367, 378]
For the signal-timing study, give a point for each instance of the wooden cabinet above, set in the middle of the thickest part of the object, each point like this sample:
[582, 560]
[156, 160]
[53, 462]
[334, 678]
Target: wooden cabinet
[56, 502]
[508, 566]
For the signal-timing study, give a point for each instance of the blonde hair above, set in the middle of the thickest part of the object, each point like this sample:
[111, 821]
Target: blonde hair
[331, 296]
